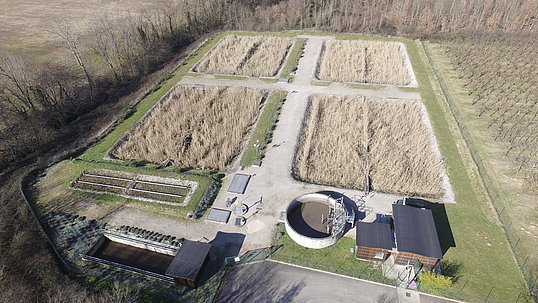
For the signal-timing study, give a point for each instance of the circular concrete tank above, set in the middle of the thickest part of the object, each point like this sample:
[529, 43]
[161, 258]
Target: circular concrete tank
[315, 220]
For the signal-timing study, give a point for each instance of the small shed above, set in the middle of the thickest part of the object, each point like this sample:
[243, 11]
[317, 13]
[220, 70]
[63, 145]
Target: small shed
[416, 236]
[189, 263]
[374, 241]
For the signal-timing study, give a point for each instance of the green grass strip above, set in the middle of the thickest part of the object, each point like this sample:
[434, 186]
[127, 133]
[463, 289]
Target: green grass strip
[365, 86]
[293, 58]
[263, 132]
[320, 83]
[231, 77]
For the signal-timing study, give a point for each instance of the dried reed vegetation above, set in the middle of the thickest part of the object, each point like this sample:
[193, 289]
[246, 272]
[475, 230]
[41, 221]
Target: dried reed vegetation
[377, 62]
[349, 140]
[195, 127]
[255, 56]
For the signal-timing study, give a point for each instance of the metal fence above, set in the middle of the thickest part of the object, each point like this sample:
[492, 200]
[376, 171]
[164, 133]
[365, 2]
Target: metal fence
[252, 256]
[530, 272]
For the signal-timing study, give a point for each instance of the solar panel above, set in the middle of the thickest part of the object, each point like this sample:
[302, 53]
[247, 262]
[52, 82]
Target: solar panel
[218, 215]
[239, 184]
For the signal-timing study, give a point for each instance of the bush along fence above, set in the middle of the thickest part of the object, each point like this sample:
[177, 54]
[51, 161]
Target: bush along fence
[208, 198]
[530, 272]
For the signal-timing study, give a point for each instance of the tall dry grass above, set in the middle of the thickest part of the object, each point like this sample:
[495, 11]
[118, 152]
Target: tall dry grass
[331, 145]
[256, 56]
[378, 62]
[346, 140]
[195, 127]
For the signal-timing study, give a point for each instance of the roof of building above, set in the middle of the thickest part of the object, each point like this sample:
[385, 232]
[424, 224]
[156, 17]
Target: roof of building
[374, 235]
[189, 260]
[415, 231]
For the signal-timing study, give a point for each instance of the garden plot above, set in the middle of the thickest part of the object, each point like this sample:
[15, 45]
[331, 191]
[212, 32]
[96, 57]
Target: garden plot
[255, 56]
[141, 187]
[361, 61]
[383, 144]
[200, 127]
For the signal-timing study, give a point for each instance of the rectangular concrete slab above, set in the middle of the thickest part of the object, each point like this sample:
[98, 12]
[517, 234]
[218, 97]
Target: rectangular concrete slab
[218, 215]
[239, 184]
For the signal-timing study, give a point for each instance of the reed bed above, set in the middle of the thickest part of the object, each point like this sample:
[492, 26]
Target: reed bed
[195, 127]
[348, 140]
[377, 62]
[255, 56]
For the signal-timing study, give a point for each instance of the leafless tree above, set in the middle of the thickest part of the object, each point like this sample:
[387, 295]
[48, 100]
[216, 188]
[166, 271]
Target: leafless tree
[71, 39]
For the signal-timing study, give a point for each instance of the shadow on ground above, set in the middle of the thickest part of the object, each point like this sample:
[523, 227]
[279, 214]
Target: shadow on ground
[224, 245]
[387, 298]
[256, 283]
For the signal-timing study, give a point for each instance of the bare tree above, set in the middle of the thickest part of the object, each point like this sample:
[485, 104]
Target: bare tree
[70, 38]
[15, 83]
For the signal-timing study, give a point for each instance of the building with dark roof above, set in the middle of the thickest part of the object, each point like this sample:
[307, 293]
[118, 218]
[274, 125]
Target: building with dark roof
[412, 235]
[374, 240]
[416, 236]
[189, 263]
[183, 264]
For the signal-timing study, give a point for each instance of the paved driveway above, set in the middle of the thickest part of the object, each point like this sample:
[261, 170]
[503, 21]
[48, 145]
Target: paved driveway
[273, 282]
[269, 281]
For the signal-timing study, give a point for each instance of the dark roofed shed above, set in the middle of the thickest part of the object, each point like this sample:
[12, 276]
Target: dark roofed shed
[189, 262]
[374, 235]
[415, 231]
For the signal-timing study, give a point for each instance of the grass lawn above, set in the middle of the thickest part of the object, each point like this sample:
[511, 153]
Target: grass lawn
[409, 89]
[320, 83]
[364, 86]
[337, 258]
[262, 134]
[231, 77]
[54, 192]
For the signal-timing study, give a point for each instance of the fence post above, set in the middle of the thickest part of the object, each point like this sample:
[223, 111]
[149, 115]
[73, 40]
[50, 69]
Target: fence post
[464, 285]
[533, 284]
[518, 296]
[488, 294]
[515, 246]
[523, 266]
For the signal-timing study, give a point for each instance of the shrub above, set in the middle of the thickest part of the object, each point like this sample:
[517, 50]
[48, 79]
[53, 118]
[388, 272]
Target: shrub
[434, 283]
